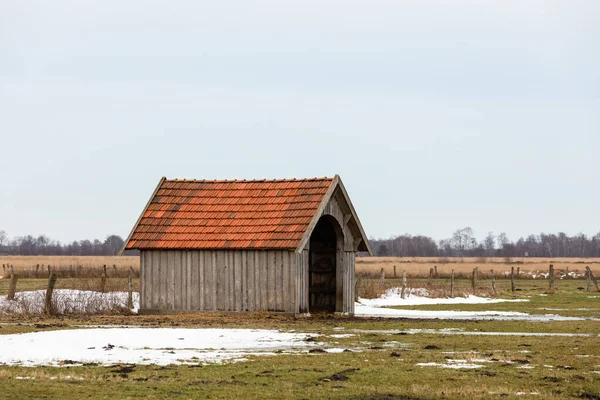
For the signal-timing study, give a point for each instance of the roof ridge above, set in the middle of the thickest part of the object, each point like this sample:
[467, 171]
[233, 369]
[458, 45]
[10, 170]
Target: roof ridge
[325, 178]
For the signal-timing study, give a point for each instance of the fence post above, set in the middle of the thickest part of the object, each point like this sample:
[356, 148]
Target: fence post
[394, 271]
[518, 272]
[430, 273]
[114, 270]
[13, 286]
[435, 273]
[474, 277]
[49, 271]
[130, 287]
[403, 293]
[452, 284]
[48, 302]
[103, 280]
[592, 278]
[493, 282]
[551, 277]
[512, 280]
[382, 277]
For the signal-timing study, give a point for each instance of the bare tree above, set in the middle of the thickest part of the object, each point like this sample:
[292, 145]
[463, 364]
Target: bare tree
[489, 244]
[463, 240]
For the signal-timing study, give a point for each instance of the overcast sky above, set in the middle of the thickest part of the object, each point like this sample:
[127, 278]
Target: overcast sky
[436, 114]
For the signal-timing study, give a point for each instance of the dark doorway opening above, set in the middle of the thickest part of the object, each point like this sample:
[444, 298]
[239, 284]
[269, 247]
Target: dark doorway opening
[322, 267]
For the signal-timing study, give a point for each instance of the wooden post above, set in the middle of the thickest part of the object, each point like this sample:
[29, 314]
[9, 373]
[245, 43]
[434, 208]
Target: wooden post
[48, 302]
[71, 271]
[103, 280]
[592, 278]
[13, 286]
[493, 282]
[394, 271]
[551, 277]
[452, 284]
[37, 270]
[114, 270]
[475, 277]
[518, 272]
[403, 293]
[430, 273]
[79, 270]
[49, 271]
[130, 291]
[512, 280]
[435, 273]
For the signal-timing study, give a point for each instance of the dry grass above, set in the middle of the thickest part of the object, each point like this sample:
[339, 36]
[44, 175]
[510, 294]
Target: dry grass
[463, 267]
[370, 288]
[69, 266]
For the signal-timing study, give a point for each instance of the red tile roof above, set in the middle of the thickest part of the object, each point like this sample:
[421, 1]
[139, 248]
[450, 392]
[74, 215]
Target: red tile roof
[269, 214]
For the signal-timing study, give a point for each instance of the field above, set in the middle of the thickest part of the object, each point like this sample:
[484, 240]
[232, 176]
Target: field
[71, 266]
[531, 356]
[419, 266]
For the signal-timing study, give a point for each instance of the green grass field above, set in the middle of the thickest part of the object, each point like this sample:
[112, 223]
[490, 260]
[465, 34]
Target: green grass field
[382, 361]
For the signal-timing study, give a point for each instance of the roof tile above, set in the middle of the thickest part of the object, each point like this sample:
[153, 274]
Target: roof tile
[229, 214]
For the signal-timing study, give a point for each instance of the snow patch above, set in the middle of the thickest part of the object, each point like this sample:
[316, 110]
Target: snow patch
[419, 296]
[453, 364]
[160, 346]
[377, 312]
[67, 301]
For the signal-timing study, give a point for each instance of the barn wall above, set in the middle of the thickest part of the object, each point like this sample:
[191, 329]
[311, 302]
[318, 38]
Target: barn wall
[302, 296]
[219, 280]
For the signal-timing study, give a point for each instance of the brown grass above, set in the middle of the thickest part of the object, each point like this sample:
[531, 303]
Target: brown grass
[463, 267]
[69, 266]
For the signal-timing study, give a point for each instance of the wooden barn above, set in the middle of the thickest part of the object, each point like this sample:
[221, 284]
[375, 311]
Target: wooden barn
[272, 245]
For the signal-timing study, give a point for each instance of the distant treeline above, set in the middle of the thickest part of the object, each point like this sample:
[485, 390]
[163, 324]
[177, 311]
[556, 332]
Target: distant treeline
[464, 244]
[44, 246]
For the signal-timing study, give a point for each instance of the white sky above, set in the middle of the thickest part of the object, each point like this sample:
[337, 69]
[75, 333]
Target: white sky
[436, 114]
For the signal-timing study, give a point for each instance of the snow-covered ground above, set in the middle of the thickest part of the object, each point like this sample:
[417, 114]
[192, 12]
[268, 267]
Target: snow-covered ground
[160, 346]
[392, 298]
[420, 296]
[366, 311]
[67, 301]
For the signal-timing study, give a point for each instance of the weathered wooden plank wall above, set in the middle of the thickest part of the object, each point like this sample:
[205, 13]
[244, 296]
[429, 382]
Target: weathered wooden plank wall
[348, 296]
[301, 272]
[219, 280]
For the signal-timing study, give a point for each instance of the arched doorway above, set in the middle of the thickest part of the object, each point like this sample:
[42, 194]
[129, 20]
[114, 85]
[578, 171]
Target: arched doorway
[325, 242]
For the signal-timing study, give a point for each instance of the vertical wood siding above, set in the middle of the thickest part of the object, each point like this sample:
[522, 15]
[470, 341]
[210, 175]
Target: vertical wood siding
[301, 272]
[219, 280]
[348, 300]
